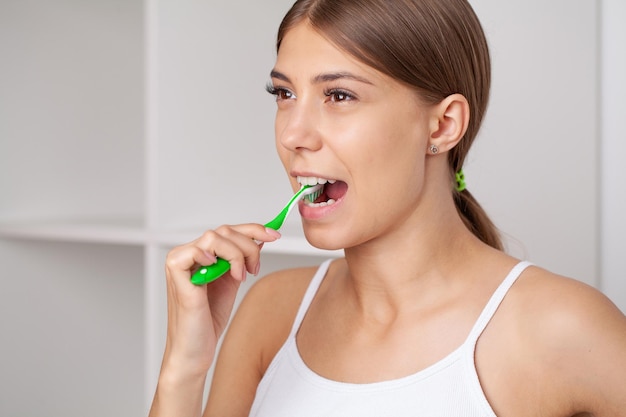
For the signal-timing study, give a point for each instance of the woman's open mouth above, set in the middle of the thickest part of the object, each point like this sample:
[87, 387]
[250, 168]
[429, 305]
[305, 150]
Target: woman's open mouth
[333, 190]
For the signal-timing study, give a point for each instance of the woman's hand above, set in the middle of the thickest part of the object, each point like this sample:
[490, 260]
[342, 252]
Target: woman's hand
[198, 315]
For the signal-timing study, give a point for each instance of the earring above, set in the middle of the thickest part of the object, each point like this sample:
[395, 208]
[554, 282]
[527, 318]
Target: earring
[433, 149]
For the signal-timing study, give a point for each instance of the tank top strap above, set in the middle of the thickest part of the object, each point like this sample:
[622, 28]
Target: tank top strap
[494, 302]
[314, 285]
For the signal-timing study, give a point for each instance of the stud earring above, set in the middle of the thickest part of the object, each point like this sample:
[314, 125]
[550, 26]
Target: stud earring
[433, 149]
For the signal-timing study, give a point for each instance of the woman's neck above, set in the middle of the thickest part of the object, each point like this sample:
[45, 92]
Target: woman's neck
[412, 264]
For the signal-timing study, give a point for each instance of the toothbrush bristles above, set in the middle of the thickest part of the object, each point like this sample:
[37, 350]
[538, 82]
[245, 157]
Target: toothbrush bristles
[314, 195]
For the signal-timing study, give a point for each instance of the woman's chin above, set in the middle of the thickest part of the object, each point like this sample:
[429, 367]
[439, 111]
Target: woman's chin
[324, 240]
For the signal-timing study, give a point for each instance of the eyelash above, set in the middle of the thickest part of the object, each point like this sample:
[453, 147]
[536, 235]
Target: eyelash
[277, 91]
[332, 93]
[335, 92]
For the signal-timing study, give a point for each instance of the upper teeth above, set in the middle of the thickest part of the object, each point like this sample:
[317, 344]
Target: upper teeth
[314, 180]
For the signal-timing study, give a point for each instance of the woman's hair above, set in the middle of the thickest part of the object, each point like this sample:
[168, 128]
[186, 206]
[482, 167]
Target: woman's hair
[436, 47]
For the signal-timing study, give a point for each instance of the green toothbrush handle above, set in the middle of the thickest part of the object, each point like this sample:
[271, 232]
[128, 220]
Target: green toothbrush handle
[210, 273]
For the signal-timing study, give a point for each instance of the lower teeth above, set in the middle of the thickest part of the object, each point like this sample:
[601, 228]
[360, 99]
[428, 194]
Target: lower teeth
[322, 204]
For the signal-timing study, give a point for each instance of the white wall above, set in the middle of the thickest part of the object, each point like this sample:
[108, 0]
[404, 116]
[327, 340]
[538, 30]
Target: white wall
[613, 221]
[534, 166]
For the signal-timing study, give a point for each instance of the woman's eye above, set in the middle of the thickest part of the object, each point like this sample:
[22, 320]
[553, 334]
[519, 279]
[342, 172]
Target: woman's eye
[338, 96]
[280, 93]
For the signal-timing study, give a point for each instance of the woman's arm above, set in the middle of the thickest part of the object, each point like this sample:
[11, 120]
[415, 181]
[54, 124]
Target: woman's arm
[197, 315]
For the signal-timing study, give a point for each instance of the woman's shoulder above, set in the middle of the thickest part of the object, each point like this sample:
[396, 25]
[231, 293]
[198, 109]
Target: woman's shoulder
[280, 293]
[552, 308]
[258, 329]
[268, 309]
[285, 288]
[571, 334]
[561, 302]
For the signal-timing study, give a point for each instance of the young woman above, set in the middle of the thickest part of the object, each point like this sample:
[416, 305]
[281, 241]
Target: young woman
[425, 315]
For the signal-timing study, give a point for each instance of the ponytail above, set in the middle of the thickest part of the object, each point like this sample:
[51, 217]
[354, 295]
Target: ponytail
[476, 220]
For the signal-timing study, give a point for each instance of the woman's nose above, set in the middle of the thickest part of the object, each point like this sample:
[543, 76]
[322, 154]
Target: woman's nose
[297, 128]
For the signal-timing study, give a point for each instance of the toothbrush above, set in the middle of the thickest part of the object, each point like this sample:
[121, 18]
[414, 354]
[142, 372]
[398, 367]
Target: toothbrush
[210, 273]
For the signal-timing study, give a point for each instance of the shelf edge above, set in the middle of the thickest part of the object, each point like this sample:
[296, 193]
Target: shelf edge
[137, 236]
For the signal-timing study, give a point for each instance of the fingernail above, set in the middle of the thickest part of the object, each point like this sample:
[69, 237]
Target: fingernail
[273, 233]
[244, 274]
[257, 268]
[210, 256]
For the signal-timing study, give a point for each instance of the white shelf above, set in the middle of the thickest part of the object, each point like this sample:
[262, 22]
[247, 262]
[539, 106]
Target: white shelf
[107, 231]
[286, 245]
[131, 232]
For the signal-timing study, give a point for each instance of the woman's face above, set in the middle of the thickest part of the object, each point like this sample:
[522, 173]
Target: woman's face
[341, 121]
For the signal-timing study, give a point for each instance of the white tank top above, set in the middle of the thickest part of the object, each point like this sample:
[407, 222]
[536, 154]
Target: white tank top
[450, 387]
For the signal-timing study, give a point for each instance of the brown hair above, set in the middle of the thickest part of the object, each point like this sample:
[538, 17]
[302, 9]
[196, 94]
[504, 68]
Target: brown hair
[436, 47]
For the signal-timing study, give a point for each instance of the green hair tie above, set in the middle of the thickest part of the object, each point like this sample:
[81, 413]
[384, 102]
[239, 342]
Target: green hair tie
[460, 180]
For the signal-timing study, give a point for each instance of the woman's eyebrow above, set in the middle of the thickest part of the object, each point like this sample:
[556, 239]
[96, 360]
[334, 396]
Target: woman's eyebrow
[332, 76]
[322, 78]
[280, 76]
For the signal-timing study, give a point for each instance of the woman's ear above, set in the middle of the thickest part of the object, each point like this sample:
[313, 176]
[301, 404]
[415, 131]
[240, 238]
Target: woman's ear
[449, 122]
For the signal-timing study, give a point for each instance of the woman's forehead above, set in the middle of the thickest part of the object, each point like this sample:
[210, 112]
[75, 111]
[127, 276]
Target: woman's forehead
[306, 50]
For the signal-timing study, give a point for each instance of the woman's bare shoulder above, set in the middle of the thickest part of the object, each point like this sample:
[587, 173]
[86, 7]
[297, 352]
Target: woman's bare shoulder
[558, 309]
[258, 329]
[270, 306]
[575, 334]
[279, 293]
[561, 301]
